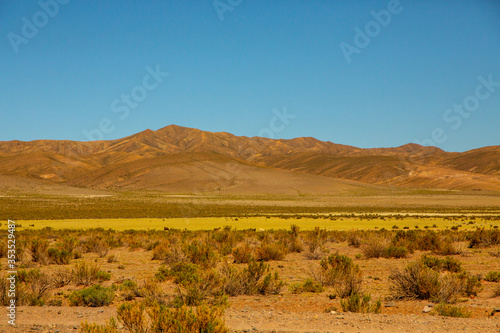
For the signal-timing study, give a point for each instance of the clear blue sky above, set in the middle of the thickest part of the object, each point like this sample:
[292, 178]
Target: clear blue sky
[230, 74]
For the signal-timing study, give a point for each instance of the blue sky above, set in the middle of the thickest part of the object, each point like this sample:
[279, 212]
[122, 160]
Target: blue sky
[236, 65]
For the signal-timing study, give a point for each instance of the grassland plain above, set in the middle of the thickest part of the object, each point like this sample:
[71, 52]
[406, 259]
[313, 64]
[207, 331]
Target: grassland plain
[272, 222]
[21, 206]
[275, 280]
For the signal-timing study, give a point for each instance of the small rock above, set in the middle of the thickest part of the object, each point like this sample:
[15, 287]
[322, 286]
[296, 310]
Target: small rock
[427, 309]
[390, 305]
[495, 309]
[333, 312]
[339, 317]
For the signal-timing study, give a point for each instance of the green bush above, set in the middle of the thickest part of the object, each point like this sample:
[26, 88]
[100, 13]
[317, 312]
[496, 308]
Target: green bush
[419, 281]
[163, 319]
[397, 252]
[110, 327]
[447, 264]
[87, 274]
[340, 272]
[242, 254]
[493, 276]
[309, 285]
[451, 311]
[357, 302]
[59, 257]
[270, 251]
[94, 296]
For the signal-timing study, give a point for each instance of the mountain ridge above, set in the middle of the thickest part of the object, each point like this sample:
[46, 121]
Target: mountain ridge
[193, 155]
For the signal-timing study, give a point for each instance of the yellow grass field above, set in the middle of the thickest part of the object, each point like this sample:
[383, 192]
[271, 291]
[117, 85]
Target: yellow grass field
[273, 222]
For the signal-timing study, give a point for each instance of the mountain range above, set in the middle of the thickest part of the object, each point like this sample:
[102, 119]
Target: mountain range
[177, 159]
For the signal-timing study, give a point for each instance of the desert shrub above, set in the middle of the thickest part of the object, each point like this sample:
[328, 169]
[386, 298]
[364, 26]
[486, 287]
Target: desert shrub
[87, 274]
[357, 302]
[200, 319]
[393, 251]
[181, 273]
[471, 284]
[447, 248]
[242, 254]
[112, 258]
[38, 248]
[270, 251]
[253, 279]
[110, 327]
[59, 257]
[447, 264]
[201, 253]
[159, 318]
[4, 287]
[271, 284]
[35, 285]
[309, 285]
[419, 281]
[483, 238]
[170, 254]
[225, 239]
[448, 310]
[200, 285]
[340, 272]
[96, 244]
[374, 247]
[492, 276]
[133, 317]
[94, 296]
[294, 244]
[496, 291]
[416, 281]
[354, 238]
[428, 241]
[209, 289]
[62, 277]
[406, 239]
[316, 241]
[149, 290]
[68, 244]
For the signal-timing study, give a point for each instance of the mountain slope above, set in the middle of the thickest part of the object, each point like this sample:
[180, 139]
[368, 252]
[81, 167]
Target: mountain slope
[180, 159]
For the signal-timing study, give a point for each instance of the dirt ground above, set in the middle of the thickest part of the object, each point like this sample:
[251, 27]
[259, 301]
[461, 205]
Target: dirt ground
[287, 312]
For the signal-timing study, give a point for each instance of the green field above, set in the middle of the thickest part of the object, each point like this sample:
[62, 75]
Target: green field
[308, 222]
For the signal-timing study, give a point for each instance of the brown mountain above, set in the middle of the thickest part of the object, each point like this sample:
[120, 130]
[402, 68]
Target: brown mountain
[184, 160]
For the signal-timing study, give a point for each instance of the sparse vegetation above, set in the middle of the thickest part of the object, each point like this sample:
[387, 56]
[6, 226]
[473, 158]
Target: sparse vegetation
[94, 296]
[358, 302]
[448, 310]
